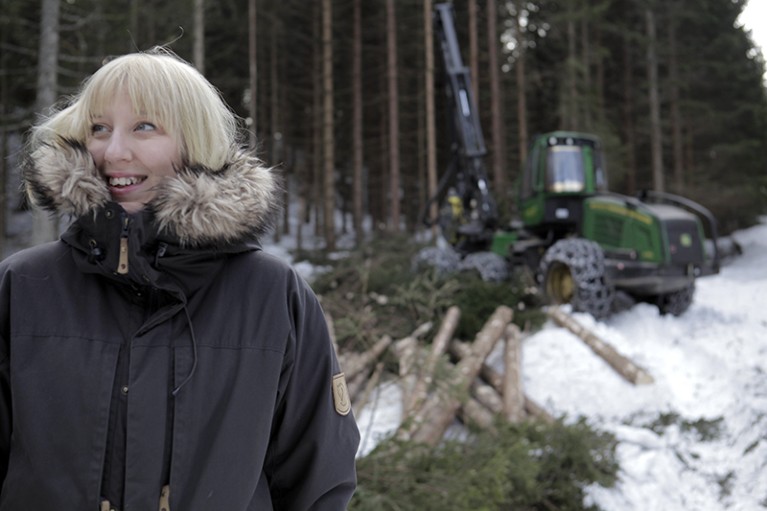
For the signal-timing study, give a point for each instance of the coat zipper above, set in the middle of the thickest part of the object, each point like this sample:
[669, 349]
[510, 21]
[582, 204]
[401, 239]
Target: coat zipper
[122, 263]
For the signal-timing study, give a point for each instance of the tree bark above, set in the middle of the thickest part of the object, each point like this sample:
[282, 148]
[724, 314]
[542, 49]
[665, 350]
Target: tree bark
[474, 52]
[328, 127]
[44, 227]
[521, 81]
[496, 102]
[491, 376]
[199, 35]
[429, 424]
[513, 396]
[394, 156]
[357, 124]
[676, 118]
[253, 71]
[655, 126]
[438, 348]
[431, 137]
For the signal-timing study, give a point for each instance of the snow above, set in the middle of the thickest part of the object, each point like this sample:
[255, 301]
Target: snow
[696, 438]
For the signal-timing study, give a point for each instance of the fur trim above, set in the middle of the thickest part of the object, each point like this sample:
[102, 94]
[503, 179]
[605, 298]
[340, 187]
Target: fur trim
[199, 206]
[62, 178]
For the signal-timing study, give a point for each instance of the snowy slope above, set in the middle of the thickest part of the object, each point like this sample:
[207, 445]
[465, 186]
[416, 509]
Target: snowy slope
[695, 439]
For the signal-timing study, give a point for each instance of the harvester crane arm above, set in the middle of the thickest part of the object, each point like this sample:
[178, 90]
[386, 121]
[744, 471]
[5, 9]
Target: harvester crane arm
[466, 175]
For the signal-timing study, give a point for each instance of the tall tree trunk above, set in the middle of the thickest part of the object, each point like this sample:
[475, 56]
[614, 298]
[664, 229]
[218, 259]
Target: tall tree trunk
[676, 118]
[474, 52]
[253, 69]
[655, 127]
[431, 137]
[570, 117]
[357, 124]
[328, 137]
[134, 24]
[496, 101]
[394, 156]
[586, 74]
[44, 228]
[629, 134]
[277, 132]
[521, 80]
[199, 35]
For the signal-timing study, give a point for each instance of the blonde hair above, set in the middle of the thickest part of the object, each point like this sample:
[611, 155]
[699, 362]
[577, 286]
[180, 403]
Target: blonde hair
[165, 88]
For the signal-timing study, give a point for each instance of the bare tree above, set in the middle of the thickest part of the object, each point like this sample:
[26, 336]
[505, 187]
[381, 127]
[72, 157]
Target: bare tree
[521, 81]
[357, 126]
[199, 35]
[391, 71]
[431, 137]
[474, 51]
[44, 227]
[655, 127]
[496, 110]
[676, 117]
[328, 137]
[253, 67]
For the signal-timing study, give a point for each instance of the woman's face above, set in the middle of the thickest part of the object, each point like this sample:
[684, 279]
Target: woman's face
[132, 151]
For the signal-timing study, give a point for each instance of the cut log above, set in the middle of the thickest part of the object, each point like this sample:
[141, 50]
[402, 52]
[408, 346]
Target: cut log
[513, 396]
[355, 363]
[408, 353]
[438, 348]
[495, 379]
[621, 364]
[487, 396]
[430, 422]
[474, 412]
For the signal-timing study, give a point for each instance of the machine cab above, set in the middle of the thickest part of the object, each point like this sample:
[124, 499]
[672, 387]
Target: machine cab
[562, 168]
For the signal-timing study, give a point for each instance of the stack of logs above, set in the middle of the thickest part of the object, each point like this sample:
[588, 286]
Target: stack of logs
[477, 392]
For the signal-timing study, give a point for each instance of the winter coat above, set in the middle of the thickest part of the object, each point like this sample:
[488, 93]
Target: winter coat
[232, 392]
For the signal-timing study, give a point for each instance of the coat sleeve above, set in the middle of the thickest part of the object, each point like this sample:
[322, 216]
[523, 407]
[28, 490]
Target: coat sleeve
[6, 419]
[311, 465]
[5, 414]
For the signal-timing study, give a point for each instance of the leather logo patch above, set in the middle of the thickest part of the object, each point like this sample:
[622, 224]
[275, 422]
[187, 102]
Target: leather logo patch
[341, 397]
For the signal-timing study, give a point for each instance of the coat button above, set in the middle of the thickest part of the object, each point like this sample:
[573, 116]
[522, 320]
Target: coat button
[124, 390]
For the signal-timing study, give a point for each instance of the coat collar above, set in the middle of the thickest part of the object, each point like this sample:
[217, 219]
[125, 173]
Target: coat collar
[198, 207]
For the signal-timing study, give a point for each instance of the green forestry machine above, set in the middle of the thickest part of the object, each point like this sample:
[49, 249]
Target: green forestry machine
[583, 243]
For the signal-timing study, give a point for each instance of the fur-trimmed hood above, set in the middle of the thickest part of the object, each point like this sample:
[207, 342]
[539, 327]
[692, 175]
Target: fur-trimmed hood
[199, 206]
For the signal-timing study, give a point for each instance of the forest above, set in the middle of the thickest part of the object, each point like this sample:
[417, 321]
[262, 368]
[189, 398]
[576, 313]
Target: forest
[346, 97]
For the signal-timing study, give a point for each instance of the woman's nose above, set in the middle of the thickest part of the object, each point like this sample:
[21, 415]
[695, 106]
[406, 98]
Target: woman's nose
[118, 148]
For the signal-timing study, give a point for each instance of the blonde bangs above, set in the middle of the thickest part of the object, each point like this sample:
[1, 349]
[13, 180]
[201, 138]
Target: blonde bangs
[169, 92]
[131, 74]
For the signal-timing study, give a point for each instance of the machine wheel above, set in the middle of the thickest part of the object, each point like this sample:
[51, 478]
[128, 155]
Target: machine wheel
[573, 271]
[676, 302]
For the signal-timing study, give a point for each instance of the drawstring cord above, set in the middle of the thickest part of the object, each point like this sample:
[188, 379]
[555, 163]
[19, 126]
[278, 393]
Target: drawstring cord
[97, 255]
[194, 354]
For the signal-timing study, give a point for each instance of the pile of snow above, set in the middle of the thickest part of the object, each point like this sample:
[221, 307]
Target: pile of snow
[696, 438]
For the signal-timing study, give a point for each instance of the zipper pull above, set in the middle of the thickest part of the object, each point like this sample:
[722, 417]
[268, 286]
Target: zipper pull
[122, 262]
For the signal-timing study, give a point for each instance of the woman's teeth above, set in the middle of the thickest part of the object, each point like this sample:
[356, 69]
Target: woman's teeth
[124, 181]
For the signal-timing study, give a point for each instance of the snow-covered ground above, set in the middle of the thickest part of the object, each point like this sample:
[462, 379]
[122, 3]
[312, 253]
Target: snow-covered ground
[696, 438]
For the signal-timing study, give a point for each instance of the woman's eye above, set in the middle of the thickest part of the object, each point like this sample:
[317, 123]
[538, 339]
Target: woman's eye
[145, 126]
[98, 128]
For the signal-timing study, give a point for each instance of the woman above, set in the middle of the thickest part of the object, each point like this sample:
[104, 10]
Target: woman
[155, 351]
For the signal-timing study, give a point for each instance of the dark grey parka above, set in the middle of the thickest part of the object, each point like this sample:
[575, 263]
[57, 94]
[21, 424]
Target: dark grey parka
[213, 354]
